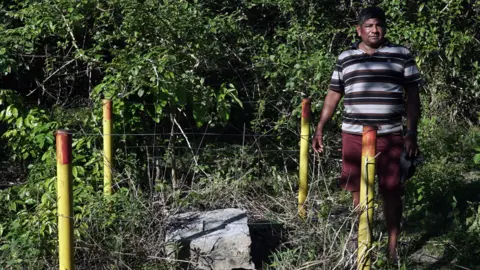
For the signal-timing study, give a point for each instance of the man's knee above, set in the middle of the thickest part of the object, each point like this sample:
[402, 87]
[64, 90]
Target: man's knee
[392, 191]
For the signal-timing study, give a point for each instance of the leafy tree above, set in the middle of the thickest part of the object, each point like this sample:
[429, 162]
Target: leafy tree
[172, 65]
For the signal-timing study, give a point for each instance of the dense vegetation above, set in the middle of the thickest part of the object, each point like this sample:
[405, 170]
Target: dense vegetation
[187, 69]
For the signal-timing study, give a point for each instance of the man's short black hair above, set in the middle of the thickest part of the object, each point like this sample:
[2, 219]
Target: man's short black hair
[371, 13]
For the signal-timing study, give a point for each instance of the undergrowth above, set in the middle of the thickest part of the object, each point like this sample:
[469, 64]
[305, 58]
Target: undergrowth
[127, 230]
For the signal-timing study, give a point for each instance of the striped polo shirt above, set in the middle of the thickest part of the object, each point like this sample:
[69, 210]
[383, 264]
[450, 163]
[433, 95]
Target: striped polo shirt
[373, 85]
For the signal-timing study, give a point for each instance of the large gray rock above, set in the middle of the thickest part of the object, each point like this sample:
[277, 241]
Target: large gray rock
[217, 239]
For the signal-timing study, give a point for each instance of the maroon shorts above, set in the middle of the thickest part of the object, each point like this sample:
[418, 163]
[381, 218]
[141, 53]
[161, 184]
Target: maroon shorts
[387, 162]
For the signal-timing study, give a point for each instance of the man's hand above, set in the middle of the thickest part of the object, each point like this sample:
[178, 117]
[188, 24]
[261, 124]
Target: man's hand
[317, 142]
[410, 144]
[329, 106]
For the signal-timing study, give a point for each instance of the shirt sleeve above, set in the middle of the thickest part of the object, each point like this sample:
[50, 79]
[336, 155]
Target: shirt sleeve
[336, 82]
[411, 74]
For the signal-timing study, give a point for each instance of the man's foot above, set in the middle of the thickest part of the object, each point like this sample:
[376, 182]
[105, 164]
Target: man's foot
[392, 256]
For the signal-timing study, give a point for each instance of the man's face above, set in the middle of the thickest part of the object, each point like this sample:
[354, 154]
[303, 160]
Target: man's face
[372, 32]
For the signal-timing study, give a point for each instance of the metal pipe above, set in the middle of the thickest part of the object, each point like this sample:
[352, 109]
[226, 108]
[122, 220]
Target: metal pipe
[367, 181]
[303, 174]
[64, 199]
[107, 147]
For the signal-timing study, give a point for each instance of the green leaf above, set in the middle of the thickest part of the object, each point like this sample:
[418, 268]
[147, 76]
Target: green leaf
[14, 112]
[75, 172]
[12, 206]
[9, 112]
[476, 158]
[30, 201]
[49, 138]
[78, 144]
[420, 8]
[45, 156]
[40, 139]
[19, 122]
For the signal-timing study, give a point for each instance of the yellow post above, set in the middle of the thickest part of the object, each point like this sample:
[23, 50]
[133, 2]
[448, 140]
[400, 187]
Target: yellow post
[64, 198]
[303, 176]
[107, 147]
[367, 181]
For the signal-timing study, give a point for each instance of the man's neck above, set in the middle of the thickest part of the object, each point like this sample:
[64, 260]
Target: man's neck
[368, 49]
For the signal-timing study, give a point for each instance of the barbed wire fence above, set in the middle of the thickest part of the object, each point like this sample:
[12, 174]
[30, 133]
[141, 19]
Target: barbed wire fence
[202, 154]
[196, 144]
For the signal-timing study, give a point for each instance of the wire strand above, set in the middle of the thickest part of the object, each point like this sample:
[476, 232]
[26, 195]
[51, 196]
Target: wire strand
[175, 133]
[174, 222]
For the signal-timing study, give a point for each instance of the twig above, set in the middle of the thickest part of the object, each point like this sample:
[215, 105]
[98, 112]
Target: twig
[51, 75]
[190, 146]
[448, 4]
[74, 41]
[156, 73]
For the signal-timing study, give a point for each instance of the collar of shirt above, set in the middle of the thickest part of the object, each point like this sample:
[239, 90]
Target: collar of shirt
[356, 44]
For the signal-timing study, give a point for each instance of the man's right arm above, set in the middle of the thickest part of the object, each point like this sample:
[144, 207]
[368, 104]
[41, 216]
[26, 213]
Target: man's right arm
[329, 106]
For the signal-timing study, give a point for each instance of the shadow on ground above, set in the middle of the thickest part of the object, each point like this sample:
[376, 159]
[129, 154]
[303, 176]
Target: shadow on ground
[266, 239]
[441, 240]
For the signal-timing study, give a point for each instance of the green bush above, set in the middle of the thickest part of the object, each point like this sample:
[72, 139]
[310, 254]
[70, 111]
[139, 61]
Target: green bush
[191, 67]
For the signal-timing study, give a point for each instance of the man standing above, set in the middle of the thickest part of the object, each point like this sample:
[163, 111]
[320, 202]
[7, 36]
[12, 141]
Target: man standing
[373, 77]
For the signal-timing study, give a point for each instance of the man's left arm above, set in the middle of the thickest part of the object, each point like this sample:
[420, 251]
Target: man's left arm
[413, 115]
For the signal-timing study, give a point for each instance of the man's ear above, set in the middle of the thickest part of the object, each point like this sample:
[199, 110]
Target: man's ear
[357, 27]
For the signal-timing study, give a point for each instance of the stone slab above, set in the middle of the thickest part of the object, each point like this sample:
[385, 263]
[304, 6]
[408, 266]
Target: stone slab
[218, 239]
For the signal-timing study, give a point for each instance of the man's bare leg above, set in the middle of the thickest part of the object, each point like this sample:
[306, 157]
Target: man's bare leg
[392, 207]
[356, 200]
